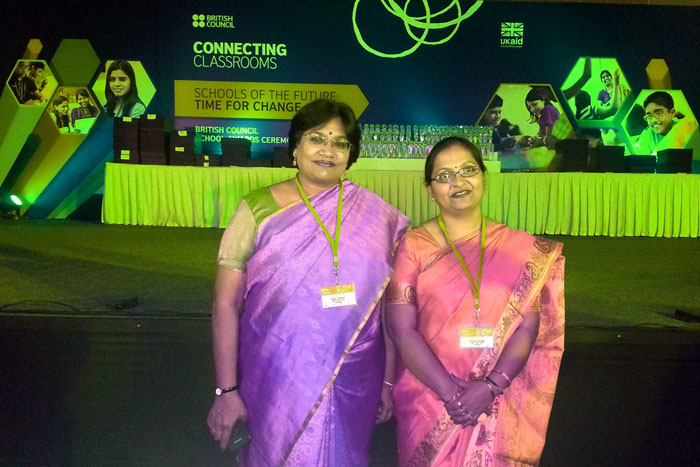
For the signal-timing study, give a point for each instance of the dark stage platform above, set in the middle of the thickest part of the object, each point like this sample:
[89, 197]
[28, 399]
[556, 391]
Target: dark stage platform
[105, 348]
[135, 392]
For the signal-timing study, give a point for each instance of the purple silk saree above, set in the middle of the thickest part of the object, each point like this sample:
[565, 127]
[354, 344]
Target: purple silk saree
[311, 377]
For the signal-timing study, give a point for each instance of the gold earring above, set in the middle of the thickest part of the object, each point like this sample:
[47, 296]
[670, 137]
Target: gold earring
[294, 162]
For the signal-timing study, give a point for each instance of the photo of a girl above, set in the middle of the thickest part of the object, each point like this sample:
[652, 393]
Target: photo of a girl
[121, 91]
[85, 108]
[539, 103]
[60, 114]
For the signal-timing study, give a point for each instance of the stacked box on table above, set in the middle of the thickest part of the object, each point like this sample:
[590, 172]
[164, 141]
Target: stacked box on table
[640, 164]
[259, 163]
[126, 140]
[674, 161]
[235, 151]
[153, 140]
[280, 158]
[181, 148]
[203, 160]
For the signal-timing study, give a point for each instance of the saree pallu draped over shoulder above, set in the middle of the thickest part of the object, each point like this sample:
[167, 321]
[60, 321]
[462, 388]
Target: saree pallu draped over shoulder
[522, 273]
[311, 377]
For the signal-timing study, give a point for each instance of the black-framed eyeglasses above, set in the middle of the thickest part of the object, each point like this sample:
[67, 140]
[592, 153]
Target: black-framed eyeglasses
[655, 114]
[465, 172]
[318, 139]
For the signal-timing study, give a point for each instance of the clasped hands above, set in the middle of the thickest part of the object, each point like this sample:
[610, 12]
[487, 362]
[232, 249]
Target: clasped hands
[471, 401]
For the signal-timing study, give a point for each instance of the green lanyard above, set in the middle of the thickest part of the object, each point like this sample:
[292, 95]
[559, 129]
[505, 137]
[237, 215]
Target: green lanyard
[334, 241]
[475, 287]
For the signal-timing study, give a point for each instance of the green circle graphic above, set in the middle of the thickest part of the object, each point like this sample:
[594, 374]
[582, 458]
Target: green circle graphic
[428, 22]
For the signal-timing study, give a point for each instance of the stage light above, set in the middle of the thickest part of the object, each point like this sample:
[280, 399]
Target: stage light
[10, 205]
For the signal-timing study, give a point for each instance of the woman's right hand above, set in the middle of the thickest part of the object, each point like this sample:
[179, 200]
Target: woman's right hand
[474, 399]
[227, 408]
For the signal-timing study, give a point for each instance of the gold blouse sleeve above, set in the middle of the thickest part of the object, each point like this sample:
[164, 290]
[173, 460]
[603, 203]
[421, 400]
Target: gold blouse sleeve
[238, 242]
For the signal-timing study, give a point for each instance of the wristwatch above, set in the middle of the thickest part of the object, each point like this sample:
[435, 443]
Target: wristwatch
[220, 391]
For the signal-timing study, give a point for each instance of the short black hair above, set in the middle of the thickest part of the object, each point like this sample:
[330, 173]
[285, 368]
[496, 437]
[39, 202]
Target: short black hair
[448, 143]
[659, 98]
[59, 100]
[322, 111]
[497, 101]
[604, 72]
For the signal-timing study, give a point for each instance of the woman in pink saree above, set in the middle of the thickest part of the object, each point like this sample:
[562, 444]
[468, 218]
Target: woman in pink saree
[476, 311]
[298, 345]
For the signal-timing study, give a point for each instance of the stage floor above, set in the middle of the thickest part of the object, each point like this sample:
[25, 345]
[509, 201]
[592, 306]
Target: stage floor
[136, 391]
[104, 337]
[90, 268]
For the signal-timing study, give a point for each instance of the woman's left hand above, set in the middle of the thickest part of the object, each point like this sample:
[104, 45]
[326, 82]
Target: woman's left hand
[475, 400]
[386, 405]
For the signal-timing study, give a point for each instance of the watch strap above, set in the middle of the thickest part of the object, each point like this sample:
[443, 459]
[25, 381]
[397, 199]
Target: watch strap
[220, 391]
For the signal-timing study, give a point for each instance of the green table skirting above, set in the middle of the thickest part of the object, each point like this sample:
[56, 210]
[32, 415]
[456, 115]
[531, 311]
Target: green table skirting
[608, 204]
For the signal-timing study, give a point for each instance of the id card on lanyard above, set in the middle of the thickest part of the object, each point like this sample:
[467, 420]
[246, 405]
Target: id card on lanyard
[338, 295]
[475, 338]
[472, 337]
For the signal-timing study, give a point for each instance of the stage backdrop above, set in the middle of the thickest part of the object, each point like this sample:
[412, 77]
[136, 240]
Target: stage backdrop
[241, 69]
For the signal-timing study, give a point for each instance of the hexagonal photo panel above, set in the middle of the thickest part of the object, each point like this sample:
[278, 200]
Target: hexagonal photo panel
[124, 89]
[32, 82]
[658, 120]
[73, 110]
[527, 121]
[75, 62]
[595, 91]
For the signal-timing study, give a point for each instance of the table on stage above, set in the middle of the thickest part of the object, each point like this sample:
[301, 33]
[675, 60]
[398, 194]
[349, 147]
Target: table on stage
[601, 204]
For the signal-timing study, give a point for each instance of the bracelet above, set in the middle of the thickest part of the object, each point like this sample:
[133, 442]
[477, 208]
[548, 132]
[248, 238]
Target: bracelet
[505, 376]
[494, 388]
[391, 385]
[486, 378]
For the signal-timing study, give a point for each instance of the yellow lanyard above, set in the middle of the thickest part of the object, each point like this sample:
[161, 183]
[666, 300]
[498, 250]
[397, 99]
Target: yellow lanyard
[334, 241]
[475, 287]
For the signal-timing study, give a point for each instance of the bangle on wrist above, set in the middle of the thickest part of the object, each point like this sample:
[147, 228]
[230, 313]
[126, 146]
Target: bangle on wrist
[389, 385]
[494, 389]
[505, 376]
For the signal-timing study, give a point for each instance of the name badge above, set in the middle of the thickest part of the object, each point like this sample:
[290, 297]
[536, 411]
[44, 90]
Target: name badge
[339, 295]
[476, 338]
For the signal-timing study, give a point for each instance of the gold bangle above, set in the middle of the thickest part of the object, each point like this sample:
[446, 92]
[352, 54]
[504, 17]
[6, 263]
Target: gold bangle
[505, 376]
[494, 389]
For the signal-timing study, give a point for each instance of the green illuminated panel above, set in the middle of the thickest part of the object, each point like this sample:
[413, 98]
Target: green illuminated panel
[596, 92]
[53, 152]
[75, 62]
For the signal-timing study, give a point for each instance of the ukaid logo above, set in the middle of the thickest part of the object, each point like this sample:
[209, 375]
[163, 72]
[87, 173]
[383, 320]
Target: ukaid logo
[512, 35]
[212, 21]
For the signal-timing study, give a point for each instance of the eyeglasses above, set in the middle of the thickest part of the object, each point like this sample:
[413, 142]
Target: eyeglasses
[655, 114]
[447, 177]
[317, 139]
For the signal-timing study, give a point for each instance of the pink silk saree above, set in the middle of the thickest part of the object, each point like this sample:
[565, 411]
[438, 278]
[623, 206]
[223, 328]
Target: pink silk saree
[311, 377]
[521, 273]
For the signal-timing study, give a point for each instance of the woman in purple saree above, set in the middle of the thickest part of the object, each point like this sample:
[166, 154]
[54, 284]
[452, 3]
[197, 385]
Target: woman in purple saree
[294, 356]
